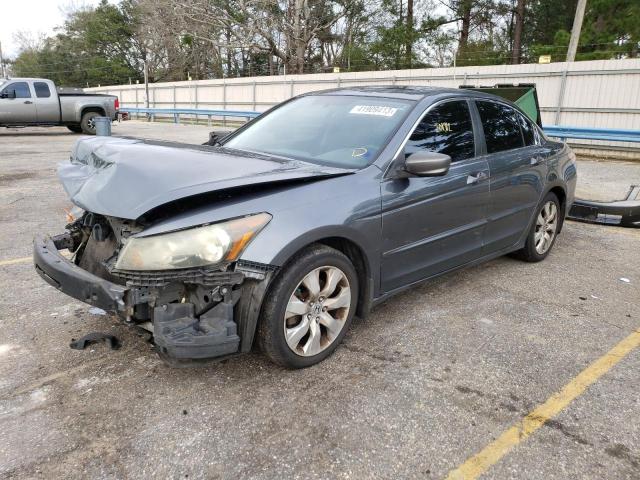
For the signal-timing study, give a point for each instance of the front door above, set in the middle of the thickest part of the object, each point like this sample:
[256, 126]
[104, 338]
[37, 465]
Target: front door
[433, 224]
[20, 109]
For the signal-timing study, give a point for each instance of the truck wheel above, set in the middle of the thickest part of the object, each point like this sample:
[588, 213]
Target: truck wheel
[309, 307]
[544, 231]
[75, 128]
[87, 124]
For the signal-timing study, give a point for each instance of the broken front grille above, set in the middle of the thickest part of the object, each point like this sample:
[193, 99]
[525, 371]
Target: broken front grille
[160, 278]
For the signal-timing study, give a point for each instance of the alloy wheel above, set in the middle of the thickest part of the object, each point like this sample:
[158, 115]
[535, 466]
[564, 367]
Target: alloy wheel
[546, 227]
[317, 311]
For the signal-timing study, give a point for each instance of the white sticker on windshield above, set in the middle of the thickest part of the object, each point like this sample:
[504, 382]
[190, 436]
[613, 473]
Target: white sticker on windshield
[374, 110]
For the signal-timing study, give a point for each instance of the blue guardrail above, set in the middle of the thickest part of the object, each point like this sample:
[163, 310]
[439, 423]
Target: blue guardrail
[605, 134]
[197, 112]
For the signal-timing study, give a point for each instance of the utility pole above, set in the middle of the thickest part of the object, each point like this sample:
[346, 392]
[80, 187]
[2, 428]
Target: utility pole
[516, 53]
[409, 42]
[2, 73]
[575, 31]
[146, 88]
[146, 84]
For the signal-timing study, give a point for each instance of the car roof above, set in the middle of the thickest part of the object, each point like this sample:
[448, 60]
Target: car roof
[408, 92]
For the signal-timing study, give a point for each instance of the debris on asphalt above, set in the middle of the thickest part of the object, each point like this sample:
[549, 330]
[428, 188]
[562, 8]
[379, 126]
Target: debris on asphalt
[97, 311]
[625, 213]
[624, 279]
[95, 337]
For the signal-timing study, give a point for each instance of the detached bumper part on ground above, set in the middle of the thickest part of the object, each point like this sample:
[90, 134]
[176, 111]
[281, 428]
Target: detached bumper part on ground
[625, 213]
[181, 331]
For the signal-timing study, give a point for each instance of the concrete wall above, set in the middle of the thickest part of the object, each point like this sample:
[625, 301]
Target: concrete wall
[602, 93]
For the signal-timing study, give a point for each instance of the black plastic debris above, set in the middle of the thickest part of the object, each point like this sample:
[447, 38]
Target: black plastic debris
[623, 213]
[95, 337]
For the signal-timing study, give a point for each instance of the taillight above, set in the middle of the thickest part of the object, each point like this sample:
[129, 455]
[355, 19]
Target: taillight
[117, 103]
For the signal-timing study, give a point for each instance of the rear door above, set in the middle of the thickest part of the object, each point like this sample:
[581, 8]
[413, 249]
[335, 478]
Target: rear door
[517, 167]
[433, 224]
[20, 109]
[47, 106]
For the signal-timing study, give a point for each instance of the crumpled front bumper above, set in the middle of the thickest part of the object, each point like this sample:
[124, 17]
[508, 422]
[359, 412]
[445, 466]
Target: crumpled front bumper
[179, 332]
[67, 277]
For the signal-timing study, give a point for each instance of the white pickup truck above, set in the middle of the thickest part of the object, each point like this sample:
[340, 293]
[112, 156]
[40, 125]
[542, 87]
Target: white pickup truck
[37, 102]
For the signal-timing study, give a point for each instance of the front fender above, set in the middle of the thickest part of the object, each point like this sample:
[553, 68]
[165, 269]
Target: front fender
[345, 207]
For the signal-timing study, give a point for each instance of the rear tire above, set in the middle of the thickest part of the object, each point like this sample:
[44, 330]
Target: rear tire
[87, 123]
[75, 128]
[544, 231]
[309, 307]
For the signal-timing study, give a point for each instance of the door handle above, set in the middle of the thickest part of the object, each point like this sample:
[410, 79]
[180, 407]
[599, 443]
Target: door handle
[28, 102]
[475, 178]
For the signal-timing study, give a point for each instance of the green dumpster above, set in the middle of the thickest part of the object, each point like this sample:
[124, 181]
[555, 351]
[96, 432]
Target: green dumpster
[523, 95]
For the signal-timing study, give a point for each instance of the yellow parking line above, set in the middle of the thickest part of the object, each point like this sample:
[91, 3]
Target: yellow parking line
[483, 460]
[15, 260]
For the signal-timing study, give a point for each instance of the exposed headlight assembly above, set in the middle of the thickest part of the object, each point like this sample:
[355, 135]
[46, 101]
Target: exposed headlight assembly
[195, 247]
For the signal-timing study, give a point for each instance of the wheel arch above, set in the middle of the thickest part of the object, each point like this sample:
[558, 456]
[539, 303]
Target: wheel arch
[92, 108]
[251, 309]
[358, 258]
[346, 243]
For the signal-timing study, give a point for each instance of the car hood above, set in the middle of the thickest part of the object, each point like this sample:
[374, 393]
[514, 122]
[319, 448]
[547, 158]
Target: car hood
[127, 177]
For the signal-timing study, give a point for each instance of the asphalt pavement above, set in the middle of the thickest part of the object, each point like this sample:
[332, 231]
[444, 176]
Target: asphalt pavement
[430, 379]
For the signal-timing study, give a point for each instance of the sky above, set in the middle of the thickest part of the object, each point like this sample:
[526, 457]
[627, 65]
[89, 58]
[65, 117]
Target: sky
[34, 17]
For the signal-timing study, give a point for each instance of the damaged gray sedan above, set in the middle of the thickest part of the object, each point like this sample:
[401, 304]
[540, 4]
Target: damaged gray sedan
[310, 214]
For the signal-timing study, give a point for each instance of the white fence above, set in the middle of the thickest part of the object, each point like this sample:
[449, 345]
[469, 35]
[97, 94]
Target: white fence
[600, 94]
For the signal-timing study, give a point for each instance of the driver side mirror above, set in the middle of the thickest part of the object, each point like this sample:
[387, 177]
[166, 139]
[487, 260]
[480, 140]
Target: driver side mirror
[427, 164]
[8, 94]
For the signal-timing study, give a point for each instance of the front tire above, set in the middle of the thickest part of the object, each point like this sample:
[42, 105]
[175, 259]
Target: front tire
[87, 124]
[309, 307]
[544, 231]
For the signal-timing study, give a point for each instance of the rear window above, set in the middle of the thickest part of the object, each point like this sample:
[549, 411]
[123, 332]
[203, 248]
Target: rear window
[501, 127]
[42, 90]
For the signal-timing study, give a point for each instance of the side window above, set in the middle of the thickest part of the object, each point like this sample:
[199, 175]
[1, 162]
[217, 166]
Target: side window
[21, 88]
[447, 129]
[501, 126]
[527, 130]
[42, 90]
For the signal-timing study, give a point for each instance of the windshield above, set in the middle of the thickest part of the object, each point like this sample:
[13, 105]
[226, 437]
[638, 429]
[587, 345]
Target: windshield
[335, 130]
